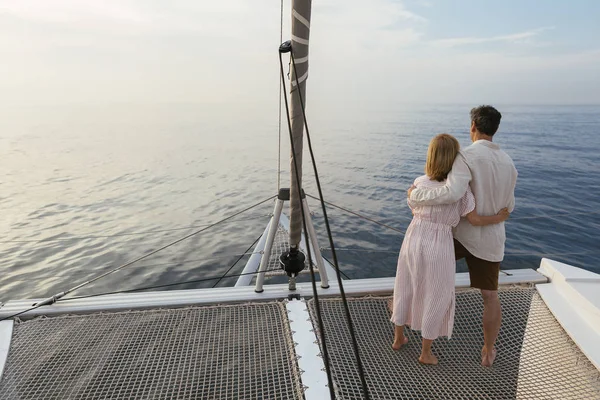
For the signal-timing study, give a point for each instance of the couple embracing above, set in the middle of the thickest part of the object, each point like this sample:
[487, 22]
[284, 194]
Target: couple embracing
[459, 210]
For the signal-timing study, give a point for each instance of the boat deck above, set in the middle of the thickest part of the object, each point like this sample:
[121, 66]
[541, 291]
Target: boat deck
[536, 358]
[249, 351]
[240, 351]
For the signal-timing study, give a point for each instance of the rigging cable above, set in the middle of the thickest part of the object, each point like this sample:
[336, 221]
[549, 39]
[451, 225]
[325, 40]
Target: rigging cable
[566, 214]
[358, 215]
[87, 296]
[96, 236]
[237, 261]
[320, 323]
[359, 363]
[554, 215]
[212, 278]
[342, 272]
[170, 264]
[57, 296]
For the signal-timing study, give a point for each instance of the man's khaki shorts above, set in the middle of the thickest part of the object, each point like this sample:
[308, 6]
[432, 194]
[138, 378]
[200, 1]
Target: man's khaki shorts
[483, 273]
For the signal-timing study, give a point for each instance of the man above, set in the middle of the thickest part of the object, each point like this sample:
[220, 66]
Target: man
[492, 176]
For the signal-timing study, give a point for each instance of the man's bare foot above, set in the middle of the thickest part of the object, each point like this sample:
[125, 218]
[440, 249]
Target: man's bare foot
[487, 358]
[397, 345]
[428, 358]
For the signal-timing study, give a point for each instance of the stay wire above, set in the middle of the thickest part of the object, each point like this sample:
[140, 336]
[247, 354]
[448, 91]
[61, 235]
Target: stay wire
[57, 296]
[87, 296]
[160, 286]
[326, 358]
[358, 215]
[237, 261]
[149, 232]
[342, 272]
[168, 245]
[361, 370]
[567, 214]
[177, 263]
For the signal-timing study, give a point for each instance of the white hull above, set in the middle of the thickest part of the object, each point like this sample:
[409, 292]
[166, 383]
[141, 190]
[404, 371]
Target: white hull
[194, 297]
[571, 294]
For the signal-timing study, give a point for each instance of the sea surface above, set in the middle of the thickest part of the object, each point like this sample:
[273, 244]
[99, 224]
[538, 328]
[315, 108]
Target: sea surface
[84, 189]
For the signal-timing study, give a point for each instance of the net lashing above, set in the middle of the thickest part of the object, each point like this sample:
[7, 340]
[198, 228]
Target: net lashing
[536, 357]
[214, 352]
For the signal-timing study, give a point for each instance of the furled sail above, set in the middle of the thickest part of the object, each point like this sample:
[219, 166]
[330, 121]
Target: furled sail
[300, 35]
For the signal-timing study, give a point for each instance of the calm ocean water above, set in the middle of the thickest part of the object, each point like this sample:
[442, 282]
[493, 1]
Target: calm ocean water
[85, 189]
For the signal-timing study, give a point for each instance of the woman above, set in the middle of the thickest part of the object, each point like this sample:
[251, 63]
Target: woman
[424, 288]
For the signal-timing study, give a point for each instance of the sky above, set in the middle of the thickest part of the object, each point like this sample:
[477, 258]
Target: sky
[372, 53]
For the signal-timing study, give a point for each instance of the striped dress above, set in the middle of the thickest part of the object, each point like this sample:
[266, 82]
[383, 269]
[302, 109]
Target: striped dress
[424, 287]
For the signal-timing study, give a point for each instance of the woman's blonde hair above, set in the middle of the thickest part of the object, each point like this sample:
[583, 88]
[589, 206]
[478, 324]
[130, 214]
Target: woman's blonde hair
[440, 156]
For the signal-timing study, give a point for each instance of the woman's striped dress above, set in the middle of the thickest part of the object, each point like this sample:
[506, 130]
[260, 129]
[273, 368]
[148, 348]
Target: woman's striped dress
[424, 288]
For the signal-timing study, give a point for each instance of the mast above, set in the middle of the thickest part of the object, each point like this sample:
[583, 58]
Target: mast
[300, 34]
[293, 260]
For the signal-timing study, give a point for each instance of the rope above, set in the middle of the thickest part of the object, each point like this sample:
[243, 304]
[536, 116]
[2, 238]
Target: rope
[342, 272]
[361, 370]
[144, 288]
[360, 250]
[238, 260]
[279, 139]
[380, 251]
[247, 253]
[310, 264]
[359, 215]
[212, 278]
[501, 271]
[201, 259]
[162, 286]
[550, 254]
[135, 290]
[167, 245]
[555, 215]
[402, 232]
[516, 253]
[58, 296]
[94, 236]
[179, 262]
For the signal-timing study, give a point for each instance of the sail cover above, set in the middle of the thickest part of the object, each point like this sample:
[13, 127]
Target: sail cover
[300, 35]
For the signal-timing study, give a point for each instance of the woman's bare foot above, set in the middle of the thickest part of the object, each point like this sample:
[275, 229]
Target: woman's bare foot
[488, 358]
[428, 358]
[397, 345]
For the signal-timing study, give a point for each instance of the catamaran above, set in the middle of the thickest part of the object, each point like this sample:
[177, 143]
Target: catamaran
[327, 337]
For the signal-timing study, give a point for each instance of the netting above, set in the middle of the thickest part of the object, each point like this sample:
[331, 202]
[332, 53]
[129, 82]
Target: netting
[280, 245]
[536, 358]
[220, 352]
